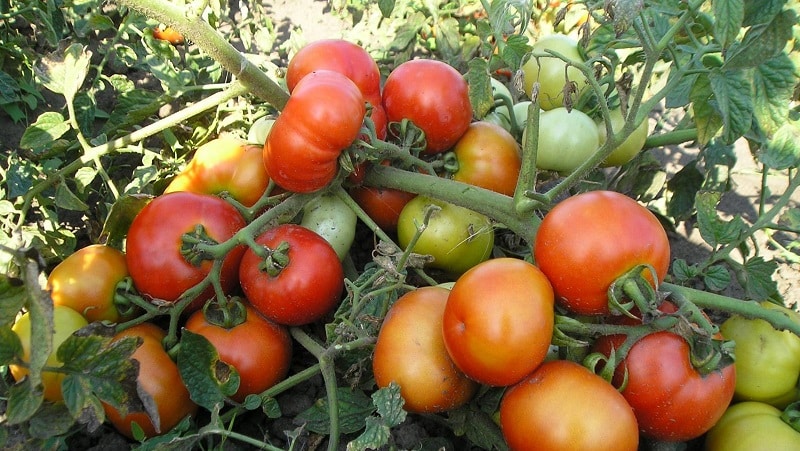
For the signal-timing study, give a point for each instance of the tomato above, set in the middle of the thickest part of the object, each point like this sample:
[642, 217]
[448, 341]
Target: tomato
[564, 406]
[550, 71]
[322, 117]
[457, 237]
[499, 320]
[168, 34]
[86, 282]
[224, 164]
[159, 378]
[383, 205]
[332, 219]
[566, 139]
[624, 152]
[520, 114]
[672, 400]
[432, 95]
[410, 351]
[66, 321]
[348, 59]
[259, 349]
[767, 360]
[589, 240]
[489, 157]
[259, 130]
[752, 426]
[157, 257]
[299, 283]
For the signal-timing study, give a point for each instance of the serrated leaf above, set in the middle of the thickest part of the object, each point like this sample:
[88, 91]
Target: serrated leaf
[23, 401]
[389, 404]
[484, 432]
[717, 278]
[684, 185]
[773, 83]
[480, 88]
[10, 346]
[209, 380]
[51, 420]
[728, 15]
[732, 95]
[762, 42]
[713, 229]
[757, 279]
[81, 403]
[13, 297]
[683, 271]
[706, 117]
[84, 177]
[782, 150]
[64, 70]
[66, 199]
[448, 40]
[354, 406]
[678, 96]
[758, 12]
[49, 126]
[515, 50]
[119, 219]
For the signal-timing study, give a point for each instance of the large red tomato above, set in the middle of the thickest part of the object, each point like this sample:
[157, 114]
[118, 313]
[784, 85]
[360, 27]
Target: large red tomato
[432, 95]
[159, 261]
[498, 321]
[410, 352]
[589, 240]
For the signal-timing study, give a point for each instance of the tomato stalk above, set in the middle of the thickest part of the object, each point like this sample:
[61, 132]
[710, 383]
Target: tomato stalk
[708, 354]
[192, 248]
[634, 286]
[228, 312]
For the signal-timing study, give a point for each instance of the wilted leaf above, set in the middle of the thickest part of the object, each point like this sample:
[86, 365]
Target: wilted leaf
[208, 379]
[480, 89]
[119, 220]
[354, 406]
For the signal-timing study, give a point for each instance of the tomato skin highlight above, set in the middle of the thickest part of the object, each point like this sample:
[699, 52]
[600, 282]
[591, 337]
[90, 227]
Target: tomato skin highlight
[548, 411]
[410, 351]
[260, 350]
[432, 95]
[498, 321]
[322, 117]
[86, 282]
[306, 289]
[489, 157]
[153, 252]
[589, 240]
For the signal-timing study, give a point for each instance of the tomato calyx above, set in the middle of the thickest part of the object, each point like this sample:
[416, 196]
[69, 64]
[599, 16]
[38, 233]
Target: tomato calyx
[632, 290]
[274, 260]
[791, 415]
[411, 137]
[193, 246]
[708, 354]
[226, 313]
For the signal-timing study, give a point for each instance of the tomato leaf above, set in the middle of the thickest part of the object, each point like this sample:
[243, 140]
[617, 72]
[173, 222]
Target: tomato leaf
[757, 280]
[49, 126]
[684, 185]
[386, 7]
[483, 431]
[10, 346]
[51, 420]
[682, 271]
[729, 16]
[208, 379]
[732, 97]
[707, 118]
[66, 199]
[24, 400]
[13, 296]
[713, 229]
[353, 405]
[716, 278]
[783, 150]
[480, 89]
[515, 50]
[773, 83]
[389, 407]
[119, 220]
[761, 42]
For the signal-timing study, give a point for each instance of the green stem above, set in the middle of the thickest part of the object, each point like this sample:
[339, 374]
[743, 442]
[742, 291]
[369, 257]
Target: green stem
[671, 138]
[213, 429]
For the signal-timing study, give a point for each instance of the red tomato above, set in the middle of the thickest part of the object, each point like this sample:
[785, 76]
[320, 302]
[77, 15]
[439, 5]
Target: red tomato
[432, 95]
[589, 240]
[564, 406]
[299, 290]
[348, 59]
[154, 255]
[671, 399]
[489, 157]
[159, 378]
[498, 321]
[86, 282]
[225, 164]
[410, 351]
[383, 205]
[259, 349]
[322, 117]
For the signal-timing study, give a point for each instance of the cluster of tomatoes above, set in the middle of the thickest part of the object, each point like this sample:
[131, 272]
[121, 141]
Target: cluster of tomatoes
[493, 327]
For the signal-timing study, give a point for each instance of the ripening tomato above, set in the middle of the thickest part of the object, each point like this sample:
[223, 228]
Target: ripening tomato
[224, 164]
[161, 265]
[168, 34]
[498, 321]
[257, 348]
[322, 117]
[65, 321]
[331, 218]
[551, 72]
[432, 95]
[383, 205]
[410, 352]
[489, 157]
[589, 240]
[566, 139]
[564, 406]
[298, 282]
[86, 282]
[624, 152]
[160, 379]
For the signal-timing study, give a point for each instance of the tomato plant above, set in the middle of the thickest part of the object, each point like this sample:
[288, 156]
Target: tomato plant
[298, 155]
[432, 95]
[410, 352]
[224, 165]
[159, 378]
[456, 237]
[257, 348]
[751, 426]
[488, 156]
[86, 282]
[294, 278]
[553, 73]
[65, 322]
[162, 254]
[499, 320]
[767, 360]
[566, 139]
[589, 240]
[548, 411]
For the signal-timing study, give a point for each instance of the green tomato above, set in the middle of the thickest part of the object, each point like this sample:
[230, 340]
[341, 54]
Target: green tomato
[259, 130]
[520, 115]
[767, 360]
[549, 70]
[752, 426]
[332, 219]
[566, 139]
[630, 146]
[456, 237]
